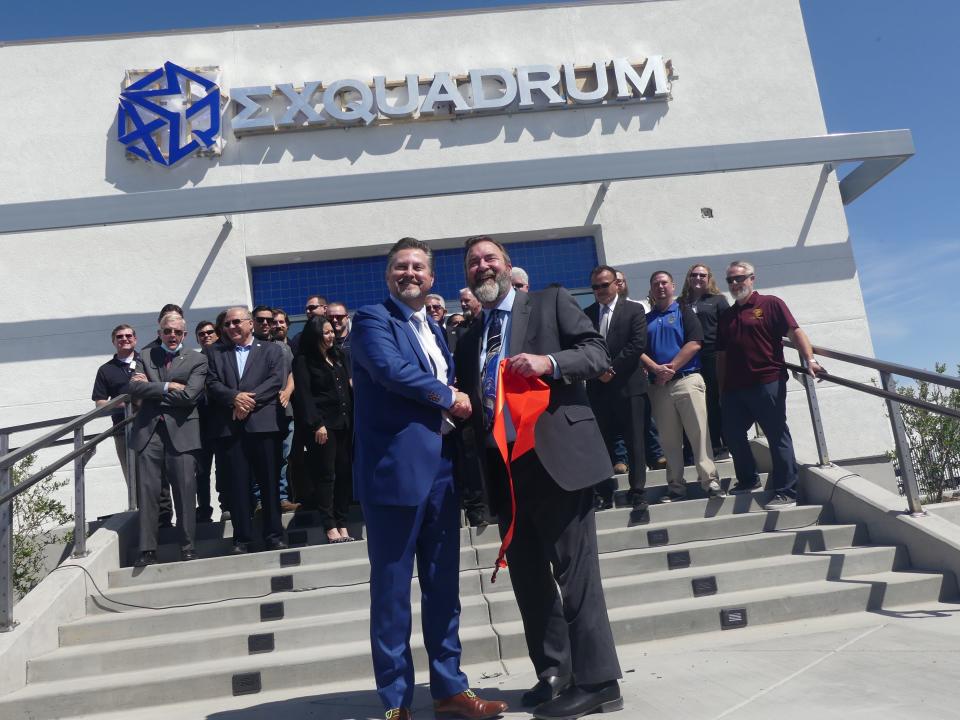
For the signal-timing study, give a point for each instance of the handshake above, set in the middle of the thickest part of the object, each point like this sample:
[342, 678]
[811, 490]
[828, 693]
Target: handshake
[461, 408]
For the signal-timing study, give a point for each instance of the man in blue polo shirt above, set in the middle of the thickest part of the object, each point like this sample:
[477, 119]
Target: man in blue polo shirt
[677, 392]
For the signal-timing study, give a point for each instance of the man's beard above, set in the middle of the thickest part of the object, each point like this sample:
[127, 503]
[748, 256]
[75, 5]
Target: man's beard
[491, 288]
[742, 294]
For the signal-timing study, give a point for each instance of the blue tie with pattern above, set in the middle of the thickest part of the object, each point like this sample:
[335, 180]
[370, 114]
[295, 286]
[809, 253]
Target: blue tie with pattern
[491, 361]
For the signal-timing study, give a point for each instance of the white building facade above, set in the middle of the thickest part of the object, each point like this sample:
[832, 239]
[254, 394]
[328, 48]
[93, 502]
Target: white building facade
[703, 74]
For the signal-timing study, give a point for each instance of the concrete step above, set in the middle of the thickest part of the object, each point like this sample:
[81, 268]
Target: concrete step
[76, 697]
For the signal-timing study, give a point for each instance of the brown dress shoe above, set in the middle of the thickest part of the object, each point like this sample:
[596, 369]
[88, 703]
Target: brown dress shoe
[468, 706]
[399, 714]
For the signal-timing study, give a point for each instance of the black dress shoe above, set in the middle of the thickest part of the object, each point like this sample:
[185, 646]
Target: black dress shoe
[187, 555]
[147, 557]
[579, 700]
[276, 545]
[547, 688]
[239, 549]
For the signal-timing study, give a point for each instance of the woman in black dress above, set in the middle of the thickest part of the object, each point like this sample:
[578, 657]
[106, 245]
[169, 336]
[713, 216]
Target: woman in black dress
[323, 403]
[701, 294]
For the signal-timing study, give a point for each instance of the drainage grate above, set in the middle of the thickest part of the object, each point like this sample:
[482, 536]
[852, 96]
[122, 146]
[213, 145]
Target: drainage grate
[704, 586]
[280, 583]
[246, 683]
[260, 643]
[733, 618]
[289, 558]
[271, 611]
[678, 559]
[658, 537]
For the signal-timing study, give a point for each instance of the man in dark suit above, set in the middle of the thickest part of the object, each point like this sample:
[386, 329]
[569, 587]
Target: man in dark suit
[166, 434]
[619, 396]
[243, 394]
[403, 477]
[545, 334]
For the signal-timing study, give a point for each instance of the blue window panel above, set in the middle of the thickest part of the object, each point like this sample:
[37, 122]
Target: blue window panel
[359, 281]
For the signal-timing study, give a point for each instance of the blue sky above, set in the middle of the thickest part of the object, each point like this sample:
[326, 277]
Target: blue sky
[880, 65]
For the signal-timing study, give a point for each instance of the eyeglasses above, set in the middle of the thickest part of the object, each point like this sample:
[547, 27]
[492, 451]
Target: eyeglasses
[699, 275]
[518, 286]
[118, 336]
[236, 322]
[265, 319]
[429, 307]
[172, 331]
[731, 279]
[311, 308]
[339, 317]
[206, 333]
[602, 286]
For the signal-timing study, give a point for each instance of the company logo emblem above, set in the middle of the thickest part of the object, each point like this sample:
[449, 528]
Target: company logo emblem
[170, 113]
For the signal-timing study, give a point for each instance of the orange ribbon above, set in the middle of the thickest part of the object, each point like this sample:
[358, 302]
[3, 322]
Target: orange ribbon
[526, 399]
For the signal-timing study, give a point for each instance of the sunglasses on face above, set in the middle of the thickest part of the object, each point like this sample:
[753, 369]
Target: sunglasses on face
[172, 331]
[336, 317]
[236, 322]
[518, 286]
[737, 279]
[206, 333]
[268, 320]
[311, 308]
[124, 337]
[434, 307]
[602, 286]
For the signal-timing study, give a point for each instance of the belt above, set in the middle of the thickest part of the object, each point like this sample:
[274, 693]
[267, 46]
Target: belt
[679, 375]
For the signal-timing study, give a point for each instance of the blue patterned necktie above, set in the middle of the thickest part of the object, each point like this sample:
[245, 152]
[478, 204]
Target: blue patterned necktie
[491, 361]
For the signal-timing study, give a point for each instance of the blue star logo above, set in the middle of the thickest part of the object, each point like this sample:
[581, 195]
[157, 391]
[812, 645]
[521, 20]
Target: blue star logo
[169, 114]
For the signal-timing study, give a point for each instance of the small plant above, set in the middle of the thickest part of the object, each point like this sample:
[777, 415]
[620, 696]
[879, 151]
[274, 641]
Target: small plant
[934, 439]
[35, 512]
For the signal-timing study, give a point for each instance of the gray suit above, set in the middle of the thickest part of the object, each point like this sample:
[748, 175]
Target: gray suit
[555, 545]
[166, 436]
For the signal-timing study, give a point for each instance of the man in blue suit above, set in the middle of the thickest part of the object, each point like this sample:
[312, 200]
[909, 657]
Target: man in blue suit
[404, 405]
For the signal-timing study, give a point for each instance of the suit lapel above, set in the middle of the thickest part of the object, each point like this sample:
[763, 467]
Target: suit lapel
[593, 312]
[519, 319]
[439, 334]
[407, 330]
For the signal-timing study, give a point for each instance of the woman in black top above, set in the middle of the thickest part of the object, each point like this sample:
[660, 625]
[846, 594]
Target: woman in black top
[323, 403]
[701, 294]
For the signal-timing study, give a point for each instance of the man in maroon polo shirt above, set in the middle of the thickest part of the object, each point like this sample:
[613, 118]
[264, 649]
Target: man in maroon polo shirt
[753, 382]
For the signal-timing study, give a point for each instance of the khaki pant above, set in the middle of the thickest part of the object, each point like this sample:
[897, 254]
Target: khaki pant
[681, 406]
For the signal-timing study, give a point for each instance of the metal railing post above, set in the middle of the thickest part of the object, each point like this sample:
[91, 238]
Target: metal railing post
[79, 505]
[810, 385]
[131, 458]
[910, 487]
[7, 623]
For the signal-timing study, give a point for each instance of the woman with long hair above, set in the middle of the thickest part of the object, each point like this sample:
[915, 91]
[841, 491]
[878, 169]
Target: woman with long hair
[701, 294]
[323, 403]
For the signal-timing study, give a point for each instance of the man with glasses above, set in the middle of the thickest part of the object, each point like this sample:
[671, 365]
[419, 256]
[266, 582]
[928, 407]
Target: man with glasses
[619, 396]
[166, 435]
[206, 334]
[315, 306]
[112, 380]
[753, 382]
[519, 279]
[340, 320]
[264, 328]
[436, 308]
[243, 390]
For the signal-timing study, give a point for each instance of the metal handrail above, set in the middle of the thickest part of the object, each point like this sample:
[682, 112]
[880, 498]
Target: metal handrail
[84, 447]
[911, 488]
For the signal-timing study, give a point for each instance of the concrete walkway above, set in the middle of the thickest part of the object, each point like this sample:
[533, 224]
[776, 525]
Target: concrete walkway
[902, 665]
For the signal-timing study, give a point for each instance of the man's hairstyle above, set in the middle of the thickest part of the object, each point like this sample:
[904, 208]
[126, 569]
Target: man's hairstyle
[321, 300]
[169, 308]
[624, 289]
[263, 308]
[686, 294]
[603, 268]
[744, 264]
[118, 328]
[439, 298]
[471, 241]
[409, 243]
[172, 317]
[518, 274]
[218, 323]
[336, 303]
[281, 311]
[466, 290]
[201, 325]
[660, 272]
[243, 308]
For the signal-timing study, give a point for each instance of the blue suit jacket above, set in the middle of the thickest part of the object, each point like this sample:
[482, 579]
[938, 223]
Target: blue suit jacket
[398, 404]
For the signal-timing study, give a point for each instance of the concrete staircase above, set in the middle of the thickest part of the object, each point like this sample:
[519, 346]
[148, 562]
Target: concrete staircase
[268, 621]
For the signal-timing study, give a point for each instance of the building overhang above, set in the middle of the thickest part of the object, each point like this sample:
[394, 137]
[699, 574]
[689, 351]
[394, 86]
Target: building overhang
[876, 153]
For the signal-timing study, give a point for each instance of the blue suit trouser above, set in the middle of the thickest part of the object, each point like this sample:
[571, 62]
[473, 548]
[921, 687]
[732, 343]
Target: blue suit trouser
[766, 405]
[396, 536]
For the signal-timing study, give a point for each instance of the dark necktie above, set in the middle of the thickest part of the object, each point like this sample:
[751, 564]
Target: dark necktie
[491, 361]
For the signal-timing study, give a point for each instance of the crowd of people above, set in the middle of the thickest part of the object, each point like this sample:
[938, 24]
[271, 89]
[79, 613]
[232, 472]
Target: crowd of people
[397, 407]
